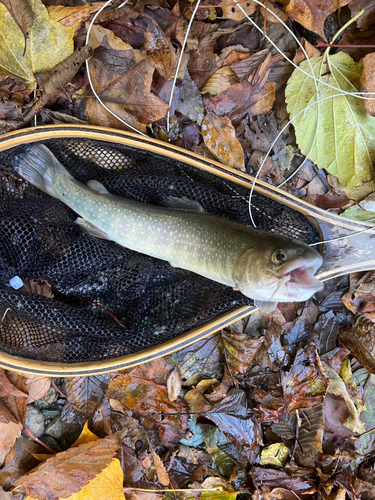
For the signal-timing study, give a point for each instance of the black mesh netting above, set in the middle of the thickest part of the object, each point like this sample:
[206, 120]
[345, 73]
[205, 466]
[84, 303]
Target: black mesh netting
[96, 282]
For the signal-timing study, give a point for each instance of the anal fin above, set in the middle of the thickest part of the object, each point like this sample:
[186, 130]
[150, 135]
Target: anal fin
[91, 229]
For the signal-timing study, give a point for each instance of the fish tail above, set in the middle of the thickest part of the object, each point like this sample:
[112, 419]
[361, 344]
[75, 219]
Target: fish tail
[40, 167]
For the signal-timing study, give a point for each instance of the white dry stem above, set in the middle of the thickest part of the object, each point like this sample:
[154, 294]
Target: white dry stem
[179, 61]
[88, 69]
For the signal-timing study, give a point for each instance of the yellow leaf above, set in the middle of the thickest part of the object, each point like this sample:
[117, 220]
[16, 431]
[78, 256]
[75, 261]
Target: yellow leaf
[107, 485]
[219, 136]
[276, 454]
[69, 16]
[86, 436]
[48, 44]
[344, 133]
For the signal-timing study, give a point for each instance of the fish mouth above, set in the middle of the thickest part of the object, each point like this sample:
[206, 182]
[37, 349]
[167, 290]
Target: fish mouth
[301, 275]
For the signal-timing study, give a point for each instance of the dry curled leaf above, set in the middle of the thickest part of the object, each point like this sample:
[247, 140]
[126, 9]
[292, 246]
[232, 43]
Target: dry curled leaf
[160, 469]
[312, 14]
[174, 384]
[360, 339]
[22, 13]
[51, 82]
[128, 95]
[219, 136]
[368, 81]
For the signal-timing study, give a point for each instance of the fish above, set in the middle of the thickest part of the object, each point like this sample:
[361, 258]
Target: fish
[265, 267]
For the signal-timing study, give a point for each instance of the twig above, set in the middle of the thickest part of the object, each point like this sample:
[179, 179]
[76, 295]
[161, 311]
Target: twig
[28, 431]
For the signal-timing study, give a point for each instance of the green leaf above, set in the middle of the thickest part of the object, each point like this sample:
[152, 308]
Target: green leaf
[344, 133]
[48, 44]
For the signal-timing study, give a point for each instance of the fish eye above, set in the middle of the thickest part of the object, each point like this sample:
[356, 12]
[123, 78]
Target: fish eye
[279, 256]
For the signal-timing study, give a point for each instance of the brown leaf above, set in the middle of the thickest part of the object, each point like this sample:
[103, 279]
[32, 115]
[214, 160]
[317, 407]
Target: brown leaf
[160, 50]
[234, 13]
[360, 339]
[84, 394]
[240, 350]
[68, 16]
[240, 99]
[219, 81]
[174, 384]
[9, 433]
[312, 14]
[368, 81]
[368, 17]
[127, 95]
[202, 61]
[160, 469]
[361, 298]
[21, 462]
[143, 392]
[53, 81]
[13, 396]
[37, 386]
[219, 136]
[69, 471]
[22, 13]
[296, 479]
[200, 360]
[310, 50]
[306, 382]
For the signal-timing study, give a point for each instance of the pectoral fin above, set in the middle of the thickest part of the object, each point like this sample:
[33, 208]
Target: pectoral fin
[91, 229]
[264, 306]
[183, 203]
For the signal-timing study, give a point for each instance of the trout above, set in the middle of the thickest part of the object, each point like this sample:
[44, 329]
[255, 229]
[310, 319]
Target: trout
[265, 267]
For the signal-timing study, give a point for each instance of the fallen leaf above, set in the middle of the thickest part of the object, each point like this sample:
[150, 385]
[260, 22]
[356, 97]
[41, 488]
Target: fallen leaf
[84, 394]
[275, 454]
[100, 36]
[70, 471]
[224, 487]
[219, 81]
[360, 339]
[311, 14]
[368, 81]
[160, 469]
[297, 479]
[49, 43]
[127, 95]
[142, 391]
[234, 13]
[306, 382]
[22, 14]
[368, 17]
[174, 384]
[219, 136]
[240, 350]
[343, 136]
[337, 387]
[159, 49]
[240, 99]
[70, 16]
[200, 360]
[310, 50]
[37, 387]
[37, 286]
[86, 436]
[9, 433]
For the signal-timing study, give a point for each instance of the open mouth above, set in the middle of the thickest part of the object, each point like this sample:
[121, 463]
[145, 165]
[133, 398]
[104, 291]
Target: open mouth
[303, 277]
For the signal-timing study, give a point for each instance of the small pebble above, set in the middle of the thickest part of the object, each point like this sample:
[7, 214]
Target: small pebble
[34, 420]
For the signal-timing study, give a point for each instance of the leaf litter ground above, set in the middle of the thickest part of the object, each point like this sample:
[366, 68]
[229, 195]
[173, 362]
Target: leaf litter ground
[277, 406]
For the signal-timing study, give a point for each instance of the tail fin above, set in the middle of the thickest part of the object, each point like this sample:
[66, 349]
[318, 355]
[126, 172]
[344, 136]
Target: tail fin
[40, 167]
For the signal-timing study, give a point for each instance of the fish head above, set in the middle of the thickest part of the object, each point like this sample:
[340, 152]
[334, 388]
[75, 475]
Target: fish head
[279, 269]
